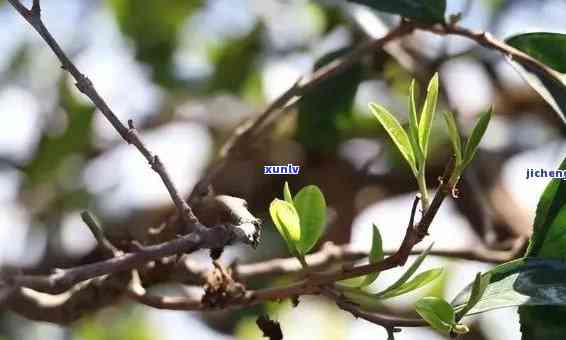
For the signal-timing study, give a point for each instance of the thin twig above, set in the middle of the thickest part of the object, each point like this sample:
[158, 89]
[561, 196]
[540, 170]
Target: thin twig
[84, 84]
[137, 292]
[389, 322]
[98, 233]
[485, 39]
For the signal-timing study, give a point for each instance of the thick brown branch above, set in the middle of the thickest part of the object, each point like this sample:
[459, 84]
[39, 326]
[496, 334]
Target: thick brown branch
[71, 305]
[63, 279]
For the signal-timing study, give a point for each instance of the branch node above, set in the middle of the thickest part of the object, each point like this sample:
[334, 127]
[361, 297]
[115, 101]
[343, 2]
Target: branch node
[36, 8]
[98, 233]
[156, 165]
[84, 84]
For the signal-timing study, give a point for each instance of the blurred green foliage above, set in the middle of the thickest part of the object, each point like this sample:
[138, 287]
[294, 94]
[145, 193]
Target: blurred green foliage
[325, 112]
[154, 29]
[127, 324]
[235, 62]
[73, 137]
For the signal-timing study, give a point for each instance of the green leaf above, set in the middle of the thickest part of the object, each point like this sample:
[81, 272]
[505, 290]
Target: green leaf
[286, 220]
[550, 49]
[418, 281]
[287, 193]
[554, 246]
[525, 282]
[408, 273]
[475, 138]
[437, 312]
[375, 255]
[547, 221]
[428, 11]
[478, 288]
[547, 322]
[427, 114]
[535, 283]
[414, 126]
[311, 207]
[454, 136]
[542, 322]
[396, 132]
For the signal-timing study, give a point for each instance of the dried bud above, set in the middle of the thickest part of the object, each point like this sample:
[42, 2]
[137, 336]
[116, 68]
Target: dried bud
[229, 211]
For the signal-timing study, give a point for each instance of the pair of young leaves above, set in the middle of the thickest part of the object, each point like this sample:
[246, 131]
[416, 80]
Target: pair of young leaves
[300, 220]
[413, 144]
[439, 314]
[354, 289]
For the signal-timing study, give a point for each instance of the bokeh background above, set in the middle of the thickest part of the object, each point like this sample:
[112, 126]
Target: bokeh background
[188, 72]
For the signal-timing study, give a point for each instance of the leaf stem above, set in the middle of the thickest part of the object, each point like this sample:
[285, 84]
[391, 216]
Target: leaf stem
[421, 182]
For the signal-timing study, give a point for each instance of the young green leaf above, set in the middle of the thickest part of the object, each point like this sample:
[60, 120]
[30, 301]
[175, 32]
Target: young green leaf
[396, 132]
[454, 136]
[311, 207]
[437, 312]
[287, 193]
[375, 255]
[475, 138]
[418, 281]
[286, 220]
[478, 288]
[407, 275]
[413, 115]
[427, 115]
[414, 126]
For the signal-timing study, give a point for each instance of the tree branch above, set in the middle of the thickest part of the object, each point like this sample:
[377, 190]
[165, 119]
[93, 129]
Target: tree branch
[487, 40]
[389, 322]
[83, 83]
[98, 233]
